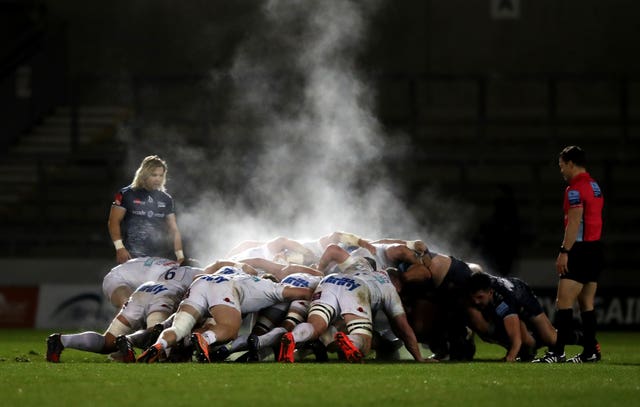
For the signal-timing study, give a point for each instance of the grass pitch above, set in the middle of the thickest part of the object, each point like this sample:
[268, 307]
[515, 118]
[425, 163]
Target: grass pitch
[82, 378]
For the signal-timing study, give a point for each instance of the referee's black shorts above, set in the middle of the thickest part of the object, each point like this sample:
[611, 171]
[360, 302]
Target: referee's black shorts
[586, 262]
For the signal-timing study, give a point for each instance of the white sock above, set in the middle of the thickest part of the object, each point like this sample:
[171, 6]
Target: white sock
[271, 338]
[240, 343]
[209, 336]
[89, 341]
[303, 332]
[357, 340]
[162, 343]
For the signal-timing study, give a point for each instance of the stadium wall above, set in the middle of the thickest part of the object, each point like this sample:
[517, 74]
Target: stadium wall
[67, 294]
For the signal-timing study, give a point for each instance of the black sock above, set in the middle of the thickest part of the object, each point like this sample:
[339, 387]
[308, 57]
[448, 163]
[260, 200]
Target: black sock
[589, 330]
[564, 322]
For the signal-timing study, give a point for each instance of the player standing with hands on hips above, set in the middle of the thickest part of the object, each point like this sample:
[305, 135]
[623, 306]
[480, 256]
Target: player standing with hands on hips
[581, 258]
[142, 220]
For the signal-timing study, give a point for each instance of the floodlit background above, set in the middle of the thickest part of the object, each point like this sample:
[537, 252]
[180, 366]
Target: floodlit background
[439, 119]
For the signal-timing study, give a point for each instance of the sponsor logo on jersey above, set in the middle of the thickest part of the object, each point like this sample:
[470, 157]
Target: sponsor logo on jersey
[150, 200]
[345, 281]
[150, 214]
[153, 289]
[296, 282]
[573, 197]
[136, 201]
[161, 204]
[596, 189]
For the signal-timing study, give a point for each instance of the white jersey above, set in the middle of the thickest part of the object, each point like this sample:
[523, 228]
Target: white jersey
[301, 280]
[151, 297]
[136, 272]
[239, 290]
[382, 260]
[258, 252]
[361, 294]
[314, 246]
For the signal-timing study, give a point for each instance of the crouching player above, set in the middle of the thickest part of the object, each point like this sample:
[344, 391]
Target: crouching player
[149, 305]
[507, 312]
[355, 297]
[225, 297]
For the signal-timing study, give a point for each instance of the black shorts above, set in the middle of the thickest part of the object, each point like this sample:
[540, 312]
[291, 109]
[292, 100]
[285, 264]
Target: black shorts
[586, 262]
[529, 305]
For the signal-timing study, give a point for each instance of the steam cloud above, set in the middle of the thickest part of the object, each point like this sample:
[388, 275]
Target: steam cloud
[300, 153]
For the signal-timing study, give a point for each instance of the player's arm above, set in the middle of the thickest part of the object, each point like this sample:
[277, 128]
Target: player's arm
[264, 264]
[350, 239]
[416, 245]
[298, 268]
[218, 264]
[333, 253]
[574, 217]
[174, 231]
[116, 215]
[400, 326]
[282, 243]
[247, 244]
[512, 327]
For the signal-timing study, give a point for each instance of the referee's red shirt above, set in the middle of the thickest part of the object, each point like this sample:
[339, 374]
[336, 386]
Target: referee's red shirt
[583, 191]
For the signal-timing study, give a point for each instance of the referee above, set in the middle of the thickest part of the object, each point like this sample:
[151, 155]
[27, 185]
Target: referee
[580, 260]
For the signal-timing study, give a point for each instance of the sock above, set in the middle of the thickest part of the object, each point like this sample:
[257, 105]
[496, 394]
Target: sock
[89, 341]
[564, 320]
[303, 332]
[162, 343]
[240, 343]
[589, 329]
[209, 336]
[139, 338]
[357, 340]
[271, 338]
[327, 337]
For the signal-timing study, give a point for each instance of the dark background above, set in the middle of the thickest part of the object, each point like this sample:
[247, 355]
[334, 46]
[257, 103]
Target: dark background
[469, 111]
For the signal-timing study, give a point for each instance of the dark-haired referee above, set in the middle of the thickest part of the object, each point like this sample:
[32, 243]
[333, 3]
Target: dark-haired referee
[580, 260]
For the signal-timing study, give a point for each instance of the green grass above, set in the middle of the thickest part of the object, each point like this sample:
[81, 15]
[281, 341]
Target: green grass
[26, 379]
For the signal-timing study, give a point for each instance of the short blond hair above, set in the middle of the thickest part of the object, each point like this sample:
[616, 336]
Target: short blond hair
[147, 166]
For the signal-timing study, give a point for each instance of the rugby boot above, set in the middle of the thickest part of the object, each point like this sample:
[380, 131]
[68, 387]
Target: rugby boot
[587, 357]
[550, 357]
[200, 348]
[151, 355]
[126, 349]
[54, 348]
[153, 335]
[253, 344]
[351, 352]
[220, 354]
[287, 346]
[319, 351]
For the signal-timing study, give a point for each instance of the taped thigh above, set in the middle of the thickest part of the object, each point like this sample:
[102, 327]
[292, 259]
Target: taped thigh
[360, 326]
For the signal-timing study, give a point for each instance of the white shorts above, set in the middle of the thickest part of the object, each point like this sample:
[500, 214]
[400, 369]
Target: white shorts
[117, 277]
[148, 298]
[208, 291]
[343, 297]
[247, 295]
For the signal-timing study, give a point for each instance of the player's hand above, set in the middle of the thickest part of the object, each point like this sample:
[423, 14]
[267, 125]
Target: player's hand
[368, 246]
[561, 264]
[122, 255]
[509, 358]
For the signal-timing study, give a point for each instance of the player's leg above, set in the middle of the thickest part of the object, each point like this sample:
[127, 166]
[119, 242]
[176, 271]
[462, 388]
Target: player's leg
[183, 322]
[120, 296]
[591, 347]
[357, 343]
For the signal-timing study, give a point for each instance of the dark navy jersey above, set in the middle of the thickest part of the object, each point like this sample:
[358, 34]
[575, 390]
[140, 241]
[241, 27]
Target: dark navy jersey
[144, 227]
[513, 296]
